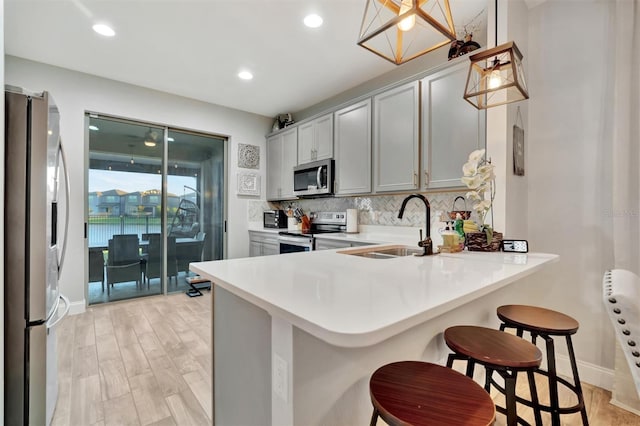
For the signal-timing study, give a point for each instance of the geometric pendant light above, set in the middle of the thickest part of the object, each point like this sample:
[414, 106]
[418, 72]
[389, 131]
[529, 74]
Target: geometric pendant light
[496, 77]
[401, 30]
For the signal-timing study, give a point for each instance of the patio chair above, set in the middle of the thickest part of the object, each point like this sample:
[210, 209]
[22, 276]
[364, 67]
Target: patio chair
[190, 252]
[154, 258]
[123, 264]
[96, 266]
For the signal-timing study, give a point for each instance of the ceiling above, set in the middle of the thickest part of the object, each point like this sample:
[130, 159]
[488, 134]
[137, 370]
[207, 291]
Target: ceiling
[195, 48]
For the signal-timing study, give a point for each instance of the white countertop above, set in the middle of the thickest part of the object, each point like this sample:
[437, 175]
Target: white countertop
[353, 301]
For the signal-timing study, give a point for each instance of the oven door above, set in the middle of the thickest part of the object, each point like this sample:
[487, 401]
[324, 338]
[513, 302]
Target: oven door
[290, 244]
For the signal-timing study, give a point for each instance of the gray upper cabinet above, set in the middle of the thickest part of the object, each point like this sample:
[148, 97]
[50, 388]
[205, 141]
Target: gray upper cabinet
[315, 139]
[396, 138]
[281, 159]
[352, 137]
[452, 128]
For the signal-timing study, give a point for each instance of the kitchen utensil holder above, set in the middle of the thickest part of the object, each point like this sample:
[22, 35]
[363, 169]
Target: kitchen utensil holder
[465, 214]
[477, 241]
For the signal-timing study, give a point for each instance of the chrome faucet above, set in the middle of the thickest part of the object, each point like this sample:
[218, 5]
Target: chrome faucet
[426, 244]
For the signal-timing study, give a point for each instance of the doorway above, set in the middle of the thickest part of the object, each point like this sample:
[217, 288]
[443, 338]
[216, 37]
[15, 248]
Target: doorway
[155, 203]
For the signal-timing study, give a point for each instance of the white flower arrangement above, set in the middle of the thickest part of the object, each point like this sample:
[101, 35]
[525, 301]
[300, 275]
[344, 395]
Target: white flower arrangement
[479, 177]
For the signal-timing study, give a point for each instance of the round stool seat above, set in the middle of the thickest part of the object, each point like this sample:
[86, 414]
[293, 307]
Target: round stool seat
[421, 393]
[541, 320]
[494, 347]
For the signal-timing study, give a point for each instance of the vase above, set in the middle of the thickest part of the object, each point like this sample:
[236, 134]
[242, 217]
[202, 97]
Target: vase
[477, 241]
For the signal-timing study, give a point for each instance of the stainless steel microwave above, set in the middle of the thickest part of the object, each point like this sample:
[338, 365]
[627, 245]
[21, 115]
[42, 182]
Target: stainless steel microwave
[313, 179]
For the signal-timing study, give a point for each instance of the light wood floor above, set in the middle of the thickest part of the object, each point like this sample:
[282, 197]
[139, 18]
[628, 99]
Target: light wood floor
[141, 362]
[599, 411]
[148, 362]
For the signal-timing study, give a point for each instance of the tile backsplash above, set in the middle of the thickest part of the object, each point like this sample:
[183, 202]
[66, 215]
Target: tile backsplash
[372, 210]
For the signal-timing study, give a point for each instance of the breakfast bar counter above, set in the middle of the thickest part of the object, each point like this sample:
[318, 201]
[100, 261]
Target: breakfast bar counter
[297, 336]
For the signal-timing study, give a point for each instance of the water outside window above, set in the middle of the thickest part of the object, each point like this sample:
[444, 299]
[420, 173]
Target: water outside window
[126, 201]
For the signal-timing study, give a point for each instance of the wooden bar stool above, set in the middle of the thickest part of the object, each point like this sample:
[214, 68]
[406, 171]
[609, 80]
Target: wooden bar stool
[421, 393]
[546, 324]
[503, 353]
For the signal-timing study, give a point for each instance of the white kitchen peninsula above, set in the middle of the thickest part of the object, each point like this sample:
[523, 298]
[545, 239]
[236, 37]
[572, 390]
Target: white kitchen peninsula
[297, 336]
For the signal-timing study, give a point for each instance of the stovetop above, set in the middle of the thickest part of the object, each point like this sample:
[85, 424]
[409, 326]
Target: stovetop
[310, 233]
[322, 223]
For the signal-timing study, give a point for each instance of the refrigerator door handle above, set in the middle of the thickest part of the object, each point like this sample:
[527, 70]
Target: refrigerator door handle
[58, 318]
[66, 210]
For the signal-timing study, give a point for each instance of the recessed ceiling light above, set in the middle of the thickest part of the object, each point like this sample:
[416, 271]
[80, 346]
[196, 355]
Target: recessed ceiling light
[95, 128]
[171, 139]
[313, 20]
[104, 30]
[245, 75]
[149, 143]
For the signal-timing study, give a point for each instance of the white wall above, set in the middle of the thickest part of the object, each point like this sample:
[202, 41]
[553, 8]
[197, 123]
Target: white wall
[76, 93]
[567, 61]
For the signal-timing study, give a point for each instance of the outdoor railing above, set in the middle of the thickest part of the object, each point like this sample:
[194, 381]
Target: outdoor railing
[102, 228]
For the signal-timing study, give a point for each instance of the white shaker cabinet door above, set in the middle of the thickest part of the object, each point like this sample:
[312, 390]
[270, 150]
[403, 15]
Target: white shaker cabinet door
[396, 139]
[289, 161]
[274, 164]
[323, 137]
[306, 144]
[452, 128]
[315, 139]
[282, 153]
[353, 148]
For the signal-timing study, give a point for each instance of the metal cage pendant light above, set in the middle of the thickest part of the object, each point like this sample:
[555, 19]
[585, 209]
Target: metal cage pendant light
[402, 30]
[496, 76]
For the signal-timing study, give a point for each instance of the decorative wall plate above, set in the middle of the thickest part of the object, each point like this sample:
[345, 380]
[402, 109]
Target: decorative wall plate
[249, 184]
[248, 156]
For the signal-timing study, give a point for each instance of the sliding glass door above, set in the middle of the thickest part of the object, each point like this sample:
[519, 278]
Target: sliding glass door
[195, 200]
[155, 203]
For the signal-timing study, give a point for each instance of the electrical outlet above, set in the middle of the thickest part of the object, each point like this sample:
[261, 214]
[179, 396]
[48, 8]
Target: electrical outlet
[280, 377]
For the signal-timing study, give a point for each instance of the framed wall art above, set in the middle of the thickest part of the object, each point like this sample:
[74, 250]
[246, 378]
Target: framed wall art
[248, 156]
[249, 184]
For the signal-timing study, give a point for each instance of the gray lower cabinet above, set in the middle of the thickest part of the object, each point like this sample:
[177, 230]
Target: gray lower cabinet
[451, 127]
[263, 243]
[281, 159]
[396, 138]
[326, 244]
[352, 148]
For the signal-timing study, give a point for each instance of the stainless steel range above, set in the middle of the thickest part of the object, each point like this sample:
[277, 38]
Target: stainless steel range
[321, 223]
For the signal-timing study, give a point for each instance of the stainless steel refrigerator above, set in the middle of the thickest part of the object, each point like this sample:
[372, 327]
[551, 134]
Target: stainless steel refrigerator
[35, 239]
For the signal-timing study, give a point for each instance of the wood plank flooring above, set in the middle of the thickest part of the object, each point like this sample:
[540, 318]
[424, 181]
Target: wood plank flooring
[140, 362]
[148, 362]
[599, 411]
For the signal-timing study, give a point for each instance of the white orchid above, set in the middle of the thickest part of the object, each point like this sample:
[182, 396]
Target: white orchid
[476, 156]
[478, 175]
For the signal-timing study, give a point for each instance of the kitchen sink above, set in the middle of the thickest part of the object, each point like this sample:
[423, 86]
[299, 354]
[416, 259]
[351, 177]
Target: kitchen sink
[384, 252]
[399, 251]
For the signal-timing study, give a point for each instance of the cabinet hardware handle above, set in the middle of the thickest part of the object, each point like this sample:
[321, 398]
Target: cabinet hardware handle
[426, 177]
[415, 179]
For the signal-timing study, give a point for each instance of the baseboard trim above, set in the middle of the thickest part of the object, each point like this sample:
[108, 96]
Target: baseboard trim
[76, 308]
[624, 406]
[589, 373]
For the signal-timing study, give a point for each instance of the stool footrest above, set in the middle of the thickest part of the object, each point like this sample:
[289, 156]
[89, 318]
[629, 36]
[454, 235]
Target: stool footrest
[519, 419]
